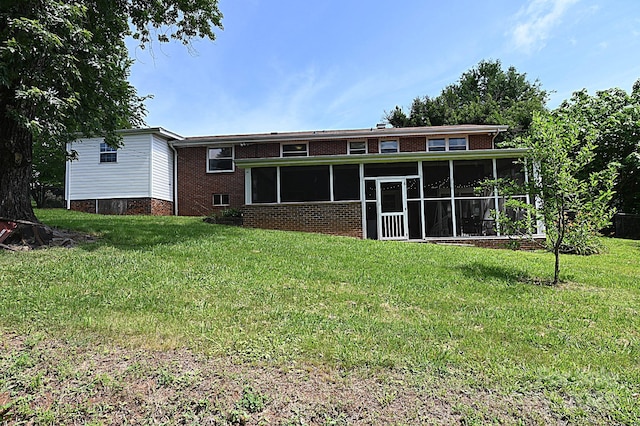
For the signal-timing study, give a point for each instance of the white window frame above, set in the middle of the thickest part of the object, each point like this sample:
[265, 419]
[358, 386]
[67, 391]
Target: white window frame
[447, 146]
[436, 139]
[221, 197]
[233, 155]
[106, 149]
[397, 141]
[350, 150]
[466, 143]
[299, 153]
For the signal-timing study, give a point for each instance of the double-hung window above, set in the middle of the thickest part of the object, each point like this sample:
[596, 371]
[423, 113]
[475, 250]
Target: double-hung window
[448, 144]
[436, 145]
[357, 147]
[220, 159]
[388, 147]
[457, 144]
[295, 150]
[108, 154]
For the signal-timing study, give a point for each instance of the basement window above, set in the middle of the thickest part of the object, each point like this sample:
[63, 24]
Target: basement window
[220, 199]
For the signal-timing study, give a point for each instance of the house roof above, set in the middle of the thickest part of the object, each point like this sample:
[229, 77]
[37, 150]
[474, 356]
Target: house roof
[374, 132]
[160, 131]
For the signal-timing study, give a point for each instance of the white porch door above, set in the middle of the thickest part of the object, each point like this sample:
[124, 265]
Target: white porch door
[392, 209]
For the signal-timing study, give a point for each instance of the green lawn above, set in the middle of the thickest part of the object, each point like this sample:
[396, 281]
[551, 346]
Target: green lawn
[279, 298]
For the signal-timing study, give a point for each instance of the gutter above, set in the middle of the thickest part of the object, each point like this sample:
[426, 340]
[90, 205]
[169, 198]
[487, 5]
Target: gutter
[402, 157]
[281, 137]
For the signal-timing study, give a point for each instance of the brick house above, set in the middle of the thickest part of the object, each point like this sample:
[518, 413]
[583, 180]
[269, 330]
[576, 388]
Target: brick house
[381, 183]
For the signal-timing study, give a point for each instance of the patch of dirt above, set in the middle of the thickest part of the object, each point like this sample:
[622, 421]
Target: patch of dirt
[31, 235]
[50, 381]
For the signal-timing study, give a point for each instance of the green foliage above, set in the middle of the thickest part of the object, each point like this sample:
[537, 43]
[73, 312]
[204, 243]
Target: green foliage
[63, 72]
[486, 94]
[613, 118]
[252, 401]
[232, 212]
[572, 206]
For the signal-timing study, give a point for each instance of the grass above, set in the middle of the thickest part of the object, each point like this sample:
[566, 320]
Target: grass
[280, 298]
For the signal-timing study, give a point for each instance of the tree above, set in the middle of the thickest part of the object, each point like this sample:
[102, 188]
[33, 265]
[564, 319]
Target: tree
[48, 169]
[613, 116]
[63, 73]
[486, 94]
[573, 206]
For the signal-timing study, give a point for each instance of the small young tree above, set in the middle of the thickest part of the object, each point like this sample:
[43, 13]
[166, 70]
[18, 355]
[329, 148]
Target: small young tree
[573, 209]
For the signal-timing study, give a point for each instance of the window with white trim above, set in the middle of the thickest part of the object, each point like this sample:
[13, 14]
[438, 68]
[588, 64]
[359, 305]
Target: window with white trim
[295, 149]
[437, 145]
[220, 159]
[108, 154]
[220, 199]
[448, 144]
[388, 147]
[457, 144]
[357, 147]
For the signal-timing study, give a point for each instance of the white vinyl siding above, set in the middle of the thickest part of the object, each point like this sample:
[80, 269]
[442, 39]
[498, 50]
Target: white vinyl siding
[161, 170]
[128, 178]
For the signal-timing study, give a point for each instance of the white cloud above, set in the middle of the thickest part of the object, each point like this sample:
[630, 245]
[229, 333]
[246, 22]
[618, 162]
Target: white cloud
[535, 23]
[286, 106]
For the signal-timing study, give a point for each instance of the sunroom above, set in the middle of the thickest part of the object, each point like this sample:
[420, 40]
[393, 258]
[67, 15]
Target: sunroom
[399, 196]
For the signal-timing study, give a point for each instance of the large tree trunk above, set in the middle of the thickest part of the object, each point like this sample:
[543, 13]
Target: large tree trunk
[15, 169]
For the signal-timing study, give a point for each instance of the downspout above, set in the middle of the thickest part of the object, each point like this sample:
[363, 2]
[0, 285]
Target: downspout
[175, 179]
[67, 178]
[493, 139]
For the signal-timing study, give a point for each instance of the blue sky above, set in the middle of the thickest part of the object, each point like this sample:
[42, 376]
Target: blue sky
[289, 65]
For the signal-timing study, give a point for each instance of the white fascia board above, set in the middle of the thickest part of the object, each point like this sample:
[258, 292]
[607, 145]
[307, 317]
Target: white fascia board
[159, 131]
[402, 157]
[390, 133]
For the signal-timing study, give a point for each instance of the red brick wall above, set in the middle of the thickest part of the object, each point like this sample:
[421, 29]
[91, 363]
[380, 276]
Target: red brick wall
[257, 150]
[496, 242]
[86, 206]
[333, 147]
[134, 206]
[126, 206]
[480, 142]
[161, 207]
[372, 146]
[325, 218]
[413, 144]
[196, 187]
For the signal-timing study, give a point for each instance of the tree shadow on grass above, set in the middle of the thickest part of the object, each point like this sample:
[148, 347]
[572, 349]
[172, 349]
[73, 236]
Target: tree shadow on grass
[510, 275]
[145, 232]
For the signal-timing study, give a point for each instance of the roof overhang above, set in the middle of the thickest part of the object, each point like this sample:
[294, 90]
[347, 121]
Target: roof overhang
[401, 157]
[159, 131]
[395, 132]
